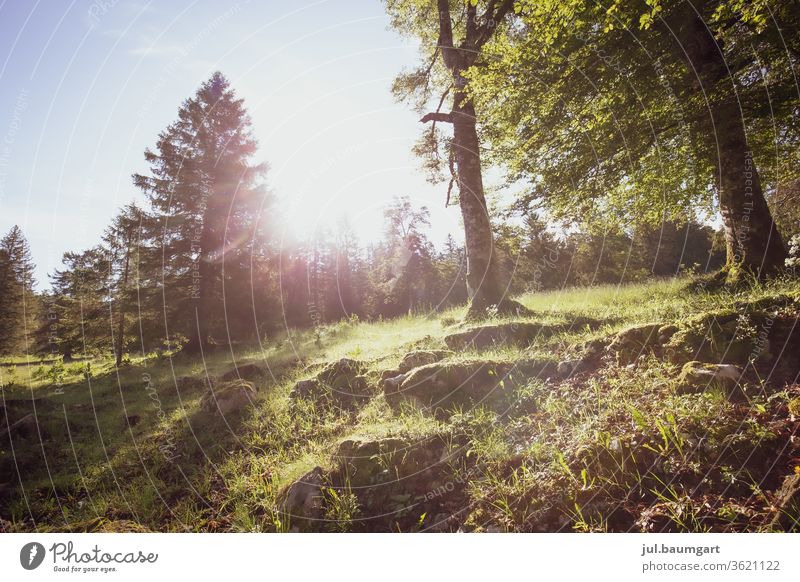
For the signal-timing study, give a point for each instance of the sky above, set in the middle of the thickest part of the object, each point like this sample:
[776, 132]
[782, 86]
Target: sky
[86, 86]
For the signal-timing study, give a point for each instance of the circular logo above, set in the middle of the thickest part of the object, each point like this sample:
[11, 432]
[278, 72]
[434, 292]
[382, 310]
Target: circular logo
[31, 555]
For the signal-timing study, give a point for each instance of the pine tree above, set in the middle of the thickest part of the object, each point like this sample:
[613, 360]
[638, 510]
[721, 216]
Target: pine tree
[121, 241]
[205, 197]
[18, 304]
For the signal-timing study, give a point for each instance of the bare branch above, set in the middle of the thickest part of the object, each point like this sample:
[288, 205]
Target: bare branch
[437, 116]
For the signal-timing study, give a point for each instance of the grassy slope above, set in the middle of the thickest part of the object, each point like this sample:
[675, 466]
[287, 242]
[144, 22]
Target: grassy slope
[617, 449]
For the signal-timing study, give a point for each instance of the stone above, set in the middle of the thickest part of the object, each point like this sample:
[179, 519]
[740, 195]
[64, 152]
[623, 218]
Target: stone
[419, 358]
[442, 385]
[341, 372]
[302, 501]
[399, 478]
[631, 343]
[341, 384]
[393, 383]
[228, 397]
[698, 376]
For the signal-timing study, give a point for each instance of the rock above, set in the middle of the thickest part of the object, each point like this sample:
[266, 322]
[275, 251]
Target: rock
[633, 342]
[341, 384]
[419, 358]
[340, 373]
[302, 501]
[393, 384]
[724, 336]
[397, 479]
[665, 333]
[250, 372]
[787, 504]
[698, 376]
[228, 397]
[517, 334]
[306, 389]
[389, 374]
[442, 385]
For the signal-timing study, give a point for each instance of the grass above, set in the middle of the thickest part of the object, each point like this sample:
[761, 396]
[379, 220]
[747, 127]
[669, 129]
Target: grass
[616, 449]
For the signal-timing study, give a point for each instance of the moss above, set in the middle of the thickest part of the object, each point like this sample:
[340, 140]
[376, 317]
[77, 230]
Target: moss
[794, 406]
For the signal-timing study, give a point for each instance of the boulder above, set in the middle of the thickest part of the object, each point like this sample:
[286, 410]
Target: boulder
[698, 376]
[340, 373]
[419, 358]
[302, 501]
[228, 397]
[724, 336]
[442, 385]
[341, 384]
[397, 479]
[631, 343]
[392, 384]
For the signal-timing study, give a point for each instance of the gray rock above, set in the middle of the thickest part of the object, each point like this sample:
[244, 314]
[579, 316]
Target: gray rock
[228, 397]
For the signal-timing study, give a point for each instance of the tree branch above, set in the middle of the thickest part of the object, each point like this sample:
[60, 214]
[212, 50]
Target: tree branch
[437, 116]
[449, 53]
[491, 20]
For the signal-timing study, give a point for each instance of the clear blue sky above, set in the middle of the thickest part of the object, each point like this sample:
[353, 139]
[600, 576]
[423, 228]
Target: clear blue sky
[85, 87]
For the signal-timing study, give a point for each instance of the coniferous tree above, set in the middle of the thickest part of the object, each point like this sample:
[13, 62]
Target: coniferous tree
[205, 195]
[18, 303]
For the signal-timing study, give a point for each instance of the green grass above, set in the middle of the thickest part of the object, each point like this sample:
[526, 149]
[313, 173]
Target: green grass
[617, 449]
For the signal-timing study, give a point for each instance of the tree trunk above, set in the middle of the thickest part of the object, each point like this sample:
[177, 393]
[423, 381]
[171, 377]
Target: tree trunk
[753, 242]
[483, 287]
[207, 268]
[121, 325]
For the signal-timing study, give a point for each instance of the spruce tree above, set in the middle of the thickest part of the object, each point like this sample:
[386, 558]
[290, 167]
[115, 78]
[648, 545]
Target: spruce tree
[205, 195]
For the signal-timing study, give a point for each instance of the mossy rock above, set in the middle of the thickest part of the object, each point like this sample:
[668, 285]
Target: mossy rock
[440, 386]
[723, 336]
[631, 343]
[399, 478]
[340, 372]
[228, 397]
[301, 503]
[341, 384]
[418, 358]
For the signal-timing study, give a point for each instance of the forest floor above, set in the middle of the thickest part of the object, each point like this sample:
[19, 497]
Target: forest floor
[656, 407]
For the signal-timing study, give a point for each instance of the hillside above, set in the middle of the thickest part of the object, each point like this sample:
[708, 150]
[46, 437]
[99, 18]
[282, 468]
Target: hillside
[656, 407]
